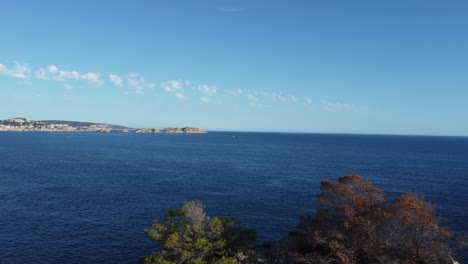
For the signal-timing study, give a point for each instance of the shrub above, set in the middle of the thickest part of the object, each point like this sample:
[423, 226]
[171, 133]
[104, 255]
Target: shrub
[188, 235]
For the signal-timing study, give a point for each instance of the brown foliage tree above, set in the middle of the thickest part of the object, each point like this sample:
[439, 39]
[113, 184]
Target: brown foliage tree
[412, 229]
[356, 224]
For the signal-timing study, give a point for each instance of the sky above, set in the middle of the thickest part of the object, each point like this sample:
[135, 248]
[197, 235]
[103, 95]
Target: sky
[322, 66]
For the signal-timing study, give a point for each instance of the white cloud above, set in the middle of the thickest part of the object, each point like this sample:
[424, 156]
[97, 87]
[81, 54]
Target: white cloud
[251, 97]
[62, 76]
[274, 97]
[147, 84]
[41, 73]
[133, 80]
[67, 86]
[293, 98]
[234, 92]
[335, 106]
[278, 97]
[134, 85]
[52, 69]
[3, 69]
[180, 96]
[116, 80]
[205, 100]
[65, 75]
[172, 85]
[205, 89]
[151, 85]
[19, 71]
[92, 77]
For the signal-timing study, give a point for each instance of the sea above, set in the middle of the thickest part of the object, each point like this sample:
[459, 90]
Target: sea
[88, 197]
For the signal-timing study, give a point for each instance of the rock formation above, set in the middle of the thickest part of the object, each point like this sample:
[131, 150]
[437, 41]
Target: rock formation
[172, 130]
[148, 131]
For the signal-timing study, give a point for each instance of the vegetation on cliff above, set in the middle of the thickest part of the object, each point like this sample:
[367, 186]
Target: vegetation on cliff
[188, 235]
[355, 223]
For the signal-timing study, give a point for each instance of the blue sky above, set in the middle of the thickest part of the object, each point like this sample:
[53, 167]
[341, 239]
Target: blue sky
[384, 67]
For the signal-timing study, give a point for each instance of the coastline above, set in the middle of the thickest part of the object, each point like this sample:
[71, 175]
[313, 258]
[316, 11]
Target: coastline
[20, 124]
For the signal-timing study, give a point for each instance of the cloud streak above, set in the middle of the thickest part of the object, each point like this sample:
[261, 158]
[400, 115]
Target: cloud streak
[52, 69]
[180, 96]
[236, 92]
[206, 89]
[335, 106]
[19, 71]
[62, 76]
[67, 75]
[41, 74]
[116, 80]
[133, 81]
[92, 77]
[252, 97]
[172, 85]
[136, 83]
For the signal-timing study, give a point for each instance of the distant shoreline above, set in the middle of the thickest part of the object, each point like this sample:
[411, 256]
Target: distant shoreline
[21, 124]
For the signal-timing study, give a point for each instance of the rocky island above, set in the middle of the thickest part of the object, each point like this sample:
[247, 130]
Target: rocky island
[20, 124]
[172, 130]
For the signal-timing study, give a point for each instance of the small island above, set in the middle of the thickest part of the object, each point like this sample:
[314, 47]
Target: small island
[172, 130]
[20, 124]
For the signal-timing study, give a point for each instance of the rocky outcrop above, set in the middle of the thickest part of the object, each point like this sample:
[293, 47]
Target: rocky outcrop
[172, 130]
[148, 131]
[193, 130]
[103, 130]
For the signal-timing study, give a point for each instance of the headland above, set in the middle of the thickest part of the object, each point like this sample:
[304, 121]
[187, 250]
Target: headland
[20, 124]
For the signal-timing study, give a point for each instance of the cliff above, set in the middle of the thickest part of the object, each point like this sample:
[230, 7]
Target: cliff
[148, 131]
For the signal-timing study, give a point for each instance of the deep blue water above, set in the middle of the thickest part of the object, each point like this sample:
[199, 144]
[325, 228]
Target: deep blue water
[87, 198]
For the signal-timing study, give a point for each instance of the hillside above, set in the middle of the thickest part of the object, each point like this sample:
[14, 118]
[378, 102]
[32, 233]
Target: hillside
[81, 124]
